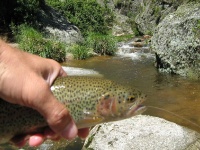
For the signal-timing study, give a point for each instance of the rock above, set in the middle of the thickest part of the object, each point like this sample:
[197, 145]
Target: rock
[176, 42]
[141, 132]
[69, 57]
[57, 27]
[121, 25]
[138, 44]
[153, 12]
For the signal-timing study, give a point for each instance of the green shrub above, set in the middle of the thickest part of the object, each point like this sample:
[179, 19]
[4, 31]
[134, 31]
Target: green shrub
[32, 41]
[18, 11]
[124, 38]
[102, 44]
[26, 11]
[88, 16]
[79, 51]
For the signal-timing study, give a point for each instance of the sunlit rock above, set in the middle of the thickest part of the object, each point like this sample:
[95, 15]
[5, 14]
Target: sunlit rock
[176, 42]
[141, 133]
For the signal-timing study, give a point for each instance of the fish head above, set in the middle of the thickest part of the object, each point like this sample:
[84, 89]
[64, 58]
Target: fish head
[121, 104]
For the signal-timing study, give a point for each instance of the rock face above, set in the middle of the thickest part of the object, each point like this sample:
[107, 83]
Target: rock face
[57, 27]
[152, 12]
[121, 25]
[176, 41]
[142, 133]
[140, 15]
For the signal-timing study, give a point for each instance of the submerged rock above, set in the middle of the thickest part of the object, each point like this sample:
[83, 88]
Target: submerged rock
[177, 41]
[141, 132]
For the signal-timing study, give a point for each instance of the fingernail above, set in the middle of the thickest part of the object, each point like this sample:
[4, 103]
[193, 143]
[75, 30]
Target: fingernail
[70, 131]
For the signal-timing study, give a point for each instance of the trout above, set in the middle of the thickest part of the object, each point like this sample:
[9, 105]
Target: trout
[89, 100]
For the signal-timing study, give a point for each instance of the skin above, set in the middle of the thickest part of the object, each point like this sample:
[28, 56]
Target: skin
[25, 79]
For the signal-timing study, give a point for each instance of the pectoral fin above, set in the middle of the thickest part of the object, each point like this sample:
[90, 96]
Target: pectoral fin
[107, 105]
[89, 122]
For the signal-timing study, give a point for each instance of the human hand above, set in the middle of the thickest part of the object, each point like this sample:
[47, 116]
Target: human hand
[25, 79]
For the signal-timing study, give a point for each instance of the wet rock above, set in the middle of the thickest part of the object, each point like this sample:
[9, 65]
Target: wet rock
[176, 42]
[140, 41]
[138, 44]
[141, 132]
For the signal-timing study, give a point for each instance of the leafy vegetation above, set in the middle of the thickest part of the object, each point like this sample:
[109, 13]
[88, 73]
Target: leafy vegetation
[91, 18]
[102, 44]
[88, 16]
[79, 51]
[95, 43]
[18, 11]
[32, 41]
[124, 37]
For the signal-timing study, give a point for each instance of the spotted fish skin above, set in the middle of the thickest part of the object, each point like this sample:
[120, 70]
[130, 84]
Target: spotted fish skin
[89, 100]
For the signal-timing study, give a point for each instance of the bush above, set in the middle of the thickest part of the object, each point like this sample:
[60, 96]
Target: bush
[32, 41]
[26, 11]
[88, 16]
[79, 51]
[18, 11]
[102, 44]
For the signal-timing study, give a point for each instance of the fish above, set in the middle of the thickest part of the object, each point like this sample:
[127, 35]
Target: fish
[90, 101]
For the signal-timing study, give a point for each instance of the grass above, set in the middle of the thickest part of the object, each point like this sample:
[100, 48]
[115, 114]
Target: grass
[32, 41]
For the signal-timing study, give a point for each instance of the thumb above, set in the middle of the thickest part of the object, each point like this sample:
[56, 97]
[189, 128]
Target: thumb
[58, 118]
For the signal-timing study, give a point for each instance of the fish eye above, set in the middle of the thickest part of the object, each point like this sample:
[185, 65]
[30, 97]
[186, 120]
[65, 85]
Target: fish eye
[131, 98]
[107, 96]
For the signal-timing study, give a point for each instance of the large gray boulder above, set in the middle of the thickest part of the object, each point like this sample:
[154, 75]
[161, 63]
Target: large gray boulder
[176, 41]
[56, 26]
[142, 133]
[152, 12]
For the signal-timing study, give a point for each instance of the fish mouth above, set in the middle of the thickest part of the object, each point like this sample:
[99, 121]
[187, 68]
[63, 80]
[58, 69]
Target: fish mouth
[136, 110]
[140, 109]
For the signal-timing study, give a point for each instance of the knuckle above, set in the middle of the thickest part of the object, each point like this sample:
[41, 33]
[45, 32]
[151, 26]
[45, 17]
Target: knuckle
[59, 120]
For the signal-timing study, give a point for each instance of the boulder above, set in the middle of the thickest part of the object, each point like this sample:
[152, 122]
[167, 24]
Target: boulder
[176, 41]
[121, 25]
[56, 26]
[153, 12]
[141, 133]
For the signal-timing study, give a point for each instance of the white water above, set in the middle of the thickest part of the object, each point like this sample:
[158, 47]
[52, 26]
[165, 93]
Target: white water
[74, 71]
[135, 53]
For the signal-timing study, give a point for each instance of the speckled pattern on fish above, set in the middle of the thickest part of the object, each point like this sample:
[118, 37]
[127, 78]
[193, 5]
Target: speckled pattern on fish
[89, 100]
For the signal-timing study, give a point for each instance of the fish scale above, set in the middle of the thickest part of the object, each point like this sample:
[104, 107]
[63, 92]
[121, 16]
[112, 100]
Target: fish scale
[89, 100]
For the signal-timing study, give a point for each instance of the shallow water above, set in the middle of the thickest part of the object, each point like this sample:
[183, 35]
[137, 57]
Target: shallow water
[170, 92]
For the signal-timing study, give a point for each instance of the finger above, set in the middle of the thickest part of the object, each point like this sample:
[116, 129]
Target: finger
[62, 73]
[36, 140]
[50, 134]
[20, 141]
[83, 133]
[58, 118]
